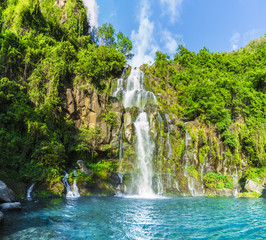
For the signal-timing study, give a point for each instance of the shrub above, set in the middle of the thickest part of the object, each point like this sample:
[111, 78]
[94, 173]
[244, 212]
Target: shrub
[217, 181]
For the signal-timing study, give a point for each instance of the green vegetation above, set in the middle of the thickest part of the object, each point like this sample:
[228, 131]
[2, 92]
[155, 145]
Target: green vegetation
[44, 49]
[217, 181]
[249, 195]
[224, 90]
[255, 174]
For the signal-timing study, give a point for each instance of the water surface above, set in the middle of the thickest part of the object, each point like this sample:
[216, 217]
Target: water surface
[132, 218]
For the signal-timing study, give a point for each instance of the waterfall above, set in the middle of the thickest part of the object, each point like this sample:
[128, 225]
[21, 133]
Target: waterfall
[235, 182]
[176, 186]
[160, 188]
[168, 144]
[145, 148]
[134, 94]
[121, 143]
[29, 192]
[202, 175]
[70, 193]
[190, 180]
[118, 188]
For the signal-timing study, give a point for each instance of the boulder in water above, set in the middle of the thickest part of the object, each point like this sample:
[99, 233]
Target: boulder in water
[1, 217]
[252, 186]
[83, 167]
[10, 206]
[6, 194]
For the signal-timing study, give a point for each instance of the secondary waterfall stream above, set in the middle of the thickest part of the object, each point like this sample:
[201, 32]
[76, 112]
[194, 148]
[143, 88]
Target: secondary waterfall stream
[134, 94]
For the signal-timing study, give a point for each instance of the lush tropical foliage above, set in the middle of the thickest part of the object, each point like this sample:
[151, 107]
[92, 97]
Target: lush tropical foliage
[44, 48]
[225, 90]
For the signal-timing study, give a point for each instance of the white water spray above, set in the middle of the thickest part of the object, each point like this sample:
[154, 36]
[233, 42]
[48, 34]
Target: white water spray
[191, 184]
[29, 191]
[135, 95]
[235, 182]
[145, 148]
[70, 193]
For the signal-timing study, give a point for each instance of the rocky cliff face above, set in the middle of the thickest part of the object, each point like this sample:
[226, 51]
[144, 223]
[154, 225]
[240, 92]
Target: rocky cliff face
[187, 153]
[89, 110]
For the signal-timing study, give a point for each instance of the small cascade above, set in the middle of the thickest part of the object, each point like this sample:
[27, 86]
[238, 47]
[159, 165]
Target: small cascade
[169, 147]
[121, 143]
[70, 193]
[161, 147]
[161, 137]
[176, 185]
[169, 180]
[190, 180]
[160, 188]
[235, 182]
[187, 139]
[120, 87]
[191, 187]
[168, 144]
[118, 188]
[29, 192]
[75, 192]
[202, 175]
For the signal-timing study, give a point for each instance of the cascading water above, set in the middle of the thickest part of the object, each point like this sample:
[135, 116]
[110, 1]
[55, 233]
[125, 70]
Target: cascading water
[29, 192]
[191, 185]
[145, 148]
[70, 193]
[235, 182]
[135, 95]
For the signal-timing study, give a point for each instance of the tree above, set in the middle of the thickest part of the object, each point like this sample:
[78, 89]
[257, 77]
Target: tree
[124, 45]
[106, 34]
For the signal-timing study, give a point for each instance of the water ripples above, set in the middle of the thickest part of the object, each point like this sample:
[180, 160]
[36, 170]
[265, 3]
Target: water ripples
[144, 219]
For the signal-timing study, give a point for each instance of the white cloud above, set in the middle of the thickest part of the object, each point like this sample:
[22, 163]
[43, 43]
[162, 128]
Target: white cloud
[143, 40]
[237, 40]
[172, 8]
[252, 34]
[171, 41]
[92, 12]
[234, 41]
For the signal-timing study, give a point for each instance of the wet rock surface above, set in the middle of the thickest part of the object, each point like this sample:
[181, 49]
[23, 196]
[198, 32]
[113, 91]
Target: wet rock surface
[10, 206]
[83, 167]
[6, 194]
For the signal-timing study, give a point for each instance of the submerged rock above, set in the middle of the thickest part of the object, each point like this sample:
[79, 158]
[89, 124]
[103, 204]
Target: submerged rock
[252, 186]
[35, 233]
[83, 167]
[10, 206]
[6, 194]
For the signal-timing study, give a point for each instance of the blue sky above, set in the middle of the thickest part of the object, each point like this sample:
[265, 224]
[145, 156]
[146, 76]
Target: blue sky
[219, 25]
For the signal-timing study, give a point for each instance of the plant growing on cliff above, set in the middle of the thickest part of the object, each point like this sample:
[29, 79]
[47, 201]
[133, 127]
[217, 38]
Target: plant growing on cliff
[111, 118]
[87, 141]
[217, 181]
